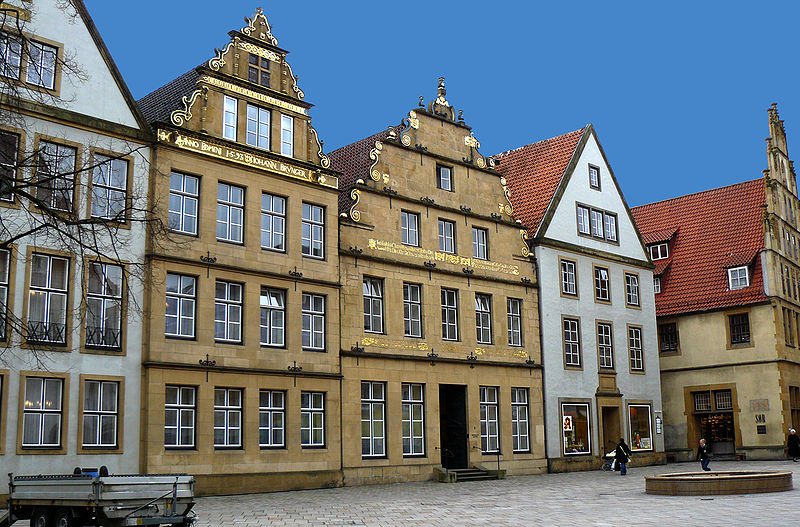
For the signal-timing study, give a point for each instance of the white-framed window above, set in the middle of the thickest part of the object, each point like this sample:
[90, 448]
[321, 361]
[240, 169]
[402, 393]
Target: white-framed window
[100, 413]
[5, 266]
[490, 424]
[42, 65]
[9, 160]
[569, 278]
[373, 419]
[413, 410]
[313, 332]
[181, 300]
[572, 342]
[373, 305]
[271, 419]
[227, 417]
[258, 123]
[287, 135]
[520, 420]
[514, 313]
[659, 251]
[583, 220]
[602, 289]
[10, 56]
[483, 318]
[635, 348]
[47, 307]
[409, 228]
[738, 278]
[180, 408]
[184, 191]
[656, 284]
[230, 118]
[576, 429]
[412, 310]
[447, 236]
[597, 223]
[313, 237]
[273, 222]
[258, 70]
[631, 289]
[55, 176]
[605, 345]
[42, 412]
[230, 213]
[594, 177]
[449, 314]
[640, 427]
[480, 247]
[227, 311]
[104, 306]
[312, 419]
[273, 317]
[610, 222]
[444, 177]
[109, 188]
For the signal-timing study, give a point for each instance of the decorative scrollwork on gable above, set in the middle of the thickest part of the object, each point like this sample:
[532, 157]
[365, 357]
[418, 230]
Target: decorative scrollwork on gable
[355, 214]
[251, 31]
[374, 154]
[300, 94]
[179, 117]
[508, 208]
[258, 50]
[217, 62]
[409, 123]
[324, 161]
[526, 252]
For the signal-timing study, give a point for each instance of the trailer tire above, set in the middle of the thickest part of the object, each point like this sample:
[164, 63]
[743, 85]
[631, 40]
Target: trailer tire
[63, 518]
[40, 518]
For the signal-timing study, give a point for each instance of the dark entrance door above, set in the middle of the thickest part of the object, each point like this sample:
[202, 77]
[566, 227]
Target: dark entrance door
[453, 425]
[719, 431]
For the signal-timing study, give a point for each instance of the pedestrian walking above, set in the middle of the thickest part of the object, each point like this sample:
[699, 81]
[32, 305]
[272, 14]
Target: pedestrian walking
[793, 445]
[703, 455]
[622, 455]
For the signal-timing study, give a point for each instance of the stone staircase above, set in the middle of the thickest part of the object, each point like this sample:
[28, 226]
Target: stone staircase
[473, 474]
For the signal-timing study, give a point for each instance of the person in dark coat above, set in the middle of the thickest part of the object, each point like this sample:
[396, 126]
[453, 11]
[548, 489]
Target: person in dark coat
[793, 445]
[621, 455]
[703, 455]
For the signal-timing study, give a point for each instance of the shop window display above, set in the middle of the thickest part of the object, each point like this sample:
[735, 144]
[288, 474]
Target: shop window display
[575, 428]
[641, 430]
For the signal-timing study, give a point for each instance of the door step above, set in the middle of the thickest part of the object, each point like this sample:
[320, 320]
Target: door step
[472, 474]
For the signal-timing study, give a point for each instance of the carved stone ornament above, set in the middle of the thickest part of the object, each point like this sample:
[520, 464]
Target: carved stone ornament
[508, 208]
[300, 94]
[217, 62]
[179, 117]
[355, 214]
[374, 154]
[324, 161]
[258, 27]
[440, 106]
[525, 249]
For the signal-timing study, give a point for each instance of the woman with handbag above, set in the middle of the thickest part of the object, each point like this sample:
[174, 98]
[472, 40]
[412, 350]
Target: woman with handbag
[622, 455]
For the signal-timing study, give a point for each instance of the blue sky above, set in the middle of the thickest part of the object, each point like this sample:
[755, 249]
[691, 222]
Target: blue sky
[677, 91]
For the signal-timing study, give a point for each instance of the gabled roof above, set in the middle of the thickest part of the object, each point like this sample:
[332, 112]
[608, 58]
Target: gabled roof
[714, 231]
[533, 173]
[157, 105]
[661, 236]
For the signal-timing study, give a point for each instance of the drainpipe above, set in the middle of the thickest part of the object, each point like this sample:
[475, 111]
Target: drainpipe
[541, 353]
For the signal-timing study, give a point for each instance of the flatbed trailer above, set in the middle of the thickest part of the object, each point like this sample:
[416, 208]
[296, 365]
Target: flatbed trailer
[104, 501]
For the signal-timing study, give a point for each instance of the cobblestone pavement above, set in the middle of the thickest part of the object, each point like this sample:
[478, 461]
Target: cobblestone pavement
[576, 499]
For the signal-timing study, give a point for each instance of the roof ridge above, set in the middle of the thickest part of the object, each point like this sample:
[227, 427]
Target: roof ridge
[726, 187]
[517, 149]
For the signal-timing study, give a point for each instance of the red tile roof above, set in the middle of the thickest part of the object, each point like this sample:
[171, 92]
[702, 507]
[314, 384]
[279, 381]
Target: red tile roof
[533, 173]
[658, 236]
[714, 230]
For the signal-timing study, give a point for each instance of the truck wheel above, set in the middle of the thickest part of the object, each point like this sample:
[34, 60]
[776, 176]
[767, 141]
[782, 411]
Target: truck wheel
[63, 518]
[40, 518]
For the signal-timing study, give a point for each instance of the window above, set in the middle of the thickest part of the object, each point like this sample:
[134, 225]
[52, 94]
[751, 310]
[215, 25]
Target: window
[227, 417]
[520, 427]
[47, 308]
[447, 236]
[409, 228]
[271, 419]
[659, 251]
[641, 429]
[572, 342]
[183, 193]
[373, 305]
[605, 345]
[373, 420]
[569, 278]
[413, 409]
[575, 428]
[273, 222]
[181, 298]
[55, 176]
[723, 399]
[794, 405]
[594, 177]
[227, 312]
[631, 289]
[490, 429]
[100, 413]
[109, 186]
[5, 270]
[258, 123]
[313, 322]
[287, 135]
[312, 419]
[514, 311]
[444, 177]
[739, 328]
[42, 65]
[258, 70]
[597, 223]
[412, 310]
[602, 291]
[610, 221]
[104, 306]
[179, 416]
[583, 220]
[313, 231]
[449, 314]
[41, 419]
[483, 318]
[635, 348]
[273, 317]
[230, 118]
[738, 278]
[668, 337]
[230, 213]
[10, 56]
[656, 284]
[9, 146]
[479, 243]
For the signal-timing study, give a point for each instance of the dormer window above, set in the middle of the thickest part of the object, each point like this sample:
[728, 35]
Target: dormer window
[258, 70]
[659, 251]
[656, 284]
[738, 278]
[594, 177]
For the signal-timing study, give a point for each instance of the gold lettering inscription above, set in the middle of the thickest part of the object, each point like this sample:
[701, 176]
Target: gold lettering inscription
[437, 256]
[253, 94]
